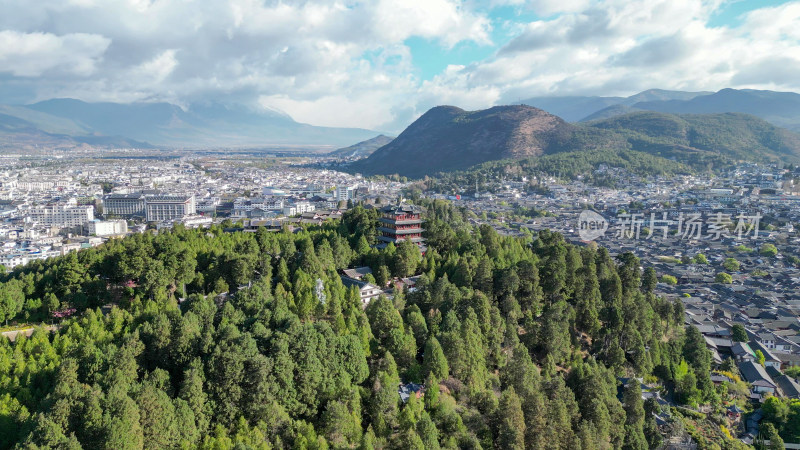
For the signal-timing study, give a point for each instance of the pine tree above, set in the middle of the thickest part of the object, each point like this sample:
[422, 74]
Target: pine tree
[474, 371]
[649, 280]
[511, 421]
[434, 361]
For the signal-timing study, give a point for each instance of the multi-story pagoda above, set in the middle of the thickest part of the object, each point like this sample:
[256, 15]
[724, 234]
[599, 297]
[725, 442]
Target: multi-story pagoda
[400, 223]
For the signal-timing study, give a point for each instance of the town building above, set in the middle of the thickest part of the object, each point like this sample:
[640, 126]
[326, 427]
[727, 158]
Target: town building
[107, 227]
[344, 193]
[289, 211]
[755, 374]
[303, 207]
[61, 215]
[161, 208]
[272, 191]
[124, 205]
[366, 291]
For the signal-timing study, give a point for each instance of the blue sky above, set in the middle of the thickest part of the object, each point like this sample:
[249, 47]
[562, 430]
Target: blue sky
[379, 64]
[430, 58]
[732, 12]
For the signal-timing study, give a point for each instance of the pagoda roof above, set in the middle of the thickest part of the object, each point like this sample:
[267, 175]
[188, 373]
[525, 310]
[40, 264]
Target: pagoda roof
[401, 209]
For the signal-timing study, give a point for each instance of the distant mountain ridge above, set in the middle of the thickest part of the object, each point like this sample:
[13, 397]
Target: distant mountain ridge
[167, 125]
[779, 108]
[576, 108]
[363, 148]
[447, 138]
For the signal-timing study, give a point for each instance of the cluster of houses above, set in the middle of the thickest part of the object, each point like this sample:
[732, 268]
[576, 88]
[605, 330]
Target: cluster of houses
[764, 340]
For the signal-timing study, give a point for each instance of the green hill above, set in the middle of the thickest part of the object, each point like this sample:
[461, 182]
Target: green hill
[692, 138]
[510, 343]
[447, 139]
[778, 108]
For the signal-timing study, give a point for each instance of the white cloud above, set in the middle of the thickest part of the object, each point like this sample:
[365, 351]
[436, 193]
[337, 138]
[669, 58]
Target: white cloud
[344, 62]
[549, 7]
[36, 54]
[305, 55]
[619, 47]
[158, 68]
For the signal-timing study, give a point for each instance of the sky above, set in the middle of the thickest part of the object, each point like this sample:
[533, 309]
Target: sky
[379, 64]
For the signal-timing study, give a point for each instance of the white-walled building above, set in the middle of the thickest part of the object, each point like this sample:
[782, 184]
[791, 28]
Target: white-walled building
[107, 227]
[61, 215]
[304, 207]
[124, 205]
[269, 191]
[344, 193]
[169, 207]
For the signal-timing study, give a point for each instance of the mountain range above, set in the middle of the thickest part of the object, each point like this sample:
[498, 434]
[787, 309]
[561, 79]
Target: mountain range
[779, 108]
[577, 108]
[70, 123]
[447, 138]
[73, 122]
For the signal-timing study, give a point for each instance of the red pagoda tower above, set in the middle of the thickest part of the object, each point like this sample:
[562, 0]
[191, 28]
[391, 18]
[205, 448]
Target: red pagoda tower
[400, 223]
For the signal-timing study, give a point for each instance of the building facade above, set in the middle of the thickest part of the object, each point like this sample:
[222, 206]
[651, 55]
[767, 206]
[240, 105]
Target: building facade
[61, 215]
[124, 205]
[107, 227]
[169, 207]
[400, 223]
[344, 193]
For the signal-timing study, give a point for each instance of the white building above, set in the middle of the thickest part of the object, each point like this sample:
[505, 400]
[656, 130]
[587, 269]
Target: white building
[272, 191]
[344, 193]
[208, 204]
[304, 207]
[241, 205]
[61, 215]
[107, 227]
[169, 207]
[124, 205]
[194, 221]
[35, 185]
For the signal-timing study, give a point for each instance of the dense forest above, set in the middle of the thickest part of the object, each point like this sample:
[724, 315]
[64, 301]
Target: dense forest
[221, 338]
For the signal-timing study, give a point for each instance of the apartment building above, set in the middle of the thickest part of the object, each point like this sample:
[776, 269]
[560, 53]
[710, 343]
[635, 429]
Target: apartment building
[61, 215]
[124, 205]
[107, 227]
[169, 207]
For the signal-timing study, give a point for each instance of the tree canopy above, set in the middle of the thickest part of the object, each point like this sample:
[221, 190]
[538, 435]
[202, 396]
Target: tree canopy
[213, 339]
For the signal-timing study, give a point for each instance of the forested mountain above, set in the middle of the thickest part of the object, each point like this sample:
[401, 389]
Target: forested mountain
[691, 138]
[449, 139]
[518, 342]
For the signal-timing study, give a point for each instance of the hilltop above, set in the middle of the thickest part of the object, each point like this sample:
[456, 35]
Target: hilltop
[447, 138]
